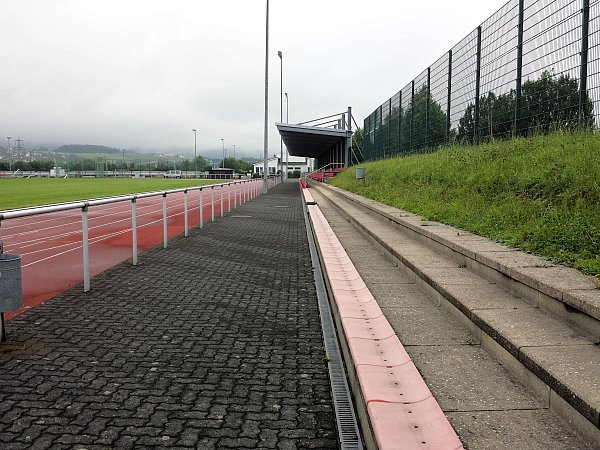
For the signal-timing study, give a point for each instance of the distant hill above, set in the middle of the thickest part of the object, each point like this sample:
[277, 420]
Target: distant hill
[85, 148]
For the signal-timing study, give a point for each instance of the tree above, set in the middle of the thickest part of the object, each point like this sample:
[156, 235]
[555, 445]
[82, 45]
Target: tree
[548, 103]
[496, 118]
[201, 163]
[551, 103]
[238, 165]
[357, 144]
[423, 123]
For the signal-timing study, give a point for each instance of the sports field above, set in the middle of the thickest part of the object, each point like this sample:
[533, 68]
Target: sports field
[23, 192]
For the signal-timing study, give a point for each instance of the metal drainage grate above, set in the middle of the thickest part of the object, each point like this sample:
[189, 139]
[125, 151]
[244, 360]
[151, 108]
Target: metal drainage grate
[347, 424]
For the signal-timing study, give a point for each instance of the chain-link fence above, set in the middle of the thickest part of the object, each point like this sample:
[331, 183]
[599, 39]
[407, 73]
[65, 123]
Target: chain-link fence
[532, 67]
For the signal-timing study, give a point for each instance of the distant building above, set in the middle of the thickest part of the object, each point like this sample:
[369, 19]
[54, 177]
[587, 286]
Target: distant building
[294, 163]
[221, 173]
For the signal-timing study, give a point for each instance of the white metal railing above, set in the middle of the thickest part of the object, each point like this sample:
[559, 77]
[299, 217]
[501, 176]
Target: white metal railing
[247, 190]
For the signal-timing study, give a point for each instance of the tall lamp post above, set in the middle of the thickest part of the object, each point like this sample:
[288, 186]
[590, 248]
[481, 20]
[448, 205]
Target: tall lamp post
[266, 124]
[287, 120]
[11, 155]
[281, 111]
[233, 151]
[195, 157]
[223, 142]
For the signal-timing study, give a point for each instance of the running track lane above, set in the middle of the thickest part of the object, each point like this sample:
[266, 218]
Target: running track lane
[51, 249]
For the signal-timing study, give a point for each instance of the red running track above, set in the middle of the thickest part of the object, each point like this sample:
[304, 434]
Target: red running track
[50, 244]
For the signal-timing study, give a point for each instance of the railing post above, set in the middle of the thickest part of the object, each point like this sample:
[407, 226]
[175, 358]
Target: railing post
[221, 195]
[235, 195]
[477, 88]
[517, 131]
[134, 249]
[212, 203]
[585, 23]
[201, 212]
[164, 208]
[229, 197]
[449, 100]
[245, 190]
[86, 248]
[185, 214]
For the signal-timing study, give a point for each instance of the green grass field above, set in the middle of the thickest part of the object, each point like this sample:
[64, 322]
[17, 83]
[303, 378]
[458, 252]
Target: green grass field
[22, 192]
[541, 194]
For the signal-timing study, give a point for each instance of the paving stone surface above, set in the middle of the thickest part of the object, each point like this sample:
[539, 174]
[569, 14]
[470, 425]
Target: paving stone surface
[214, 342]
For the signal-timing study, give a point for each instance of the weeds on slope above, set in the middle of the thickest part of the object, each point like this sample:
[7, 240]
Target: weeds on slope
[539, 194]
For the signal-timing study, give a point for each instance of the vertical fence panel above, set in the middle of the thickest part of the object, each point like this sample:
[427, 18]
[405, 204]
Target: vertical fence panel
[593, 73]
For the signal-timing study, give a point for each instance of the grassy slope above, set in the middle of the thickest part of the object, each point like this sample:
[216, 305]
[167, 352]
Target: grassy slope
[17, 193]
[540, 194]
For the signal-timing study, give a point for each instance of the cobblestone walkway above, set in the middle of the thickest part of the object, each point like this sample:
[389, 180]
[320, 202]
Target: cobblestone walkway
[214, 342]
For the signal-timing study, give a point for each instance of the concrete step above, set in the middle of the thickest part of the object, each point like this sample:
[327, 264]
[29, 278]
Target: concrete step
[550, 349]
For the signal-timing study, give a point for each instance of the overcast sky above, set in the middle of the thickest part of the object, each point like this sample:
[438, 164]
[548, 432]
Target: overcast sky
[140, 74]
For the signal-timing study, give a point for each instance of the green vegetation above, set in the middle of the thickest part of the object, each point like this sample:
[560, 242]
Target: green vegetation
[539, 194]
[22, 192]
[86, 148]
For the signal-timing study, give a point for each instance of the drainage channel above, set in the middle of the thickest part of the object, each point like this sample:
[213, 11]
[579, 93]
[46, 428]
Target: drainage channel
[347, 424]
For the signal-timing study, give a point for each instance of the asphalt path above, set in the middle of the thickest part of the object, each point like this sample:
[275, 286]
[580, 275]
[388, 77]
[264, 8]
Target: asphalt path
[51, 246]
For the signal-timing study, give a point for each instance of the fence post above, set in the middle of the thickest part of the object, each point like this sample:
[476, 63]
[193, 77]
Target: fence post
[221, 195]
[516, 130]
[212, 203]
[585, 22]
[380, 137]
[185, 214]
[389, 127]
[427, 106]
[201, 212]
[399, 122]
[164, 208]
[229, 197]
[134, 249]
[449, 101]
[477, 88]
[86, 248]
[412, 111]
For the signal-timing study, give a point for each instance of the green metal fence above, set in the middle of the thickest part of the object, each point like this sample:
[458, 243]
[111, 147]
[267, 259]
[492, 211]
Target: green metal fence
[532, 67]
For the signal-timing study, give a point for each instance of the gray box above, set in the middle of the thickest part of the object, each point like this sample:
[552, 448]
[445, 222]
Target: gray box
[11, 291]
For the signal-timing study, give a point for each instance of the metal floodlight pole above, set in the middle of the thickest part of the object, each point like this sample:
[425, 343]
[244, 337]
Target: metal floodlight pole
[11, 155]
[223, 142]
[195, 157]
[280, 54]
[266, 129]
[233, 151]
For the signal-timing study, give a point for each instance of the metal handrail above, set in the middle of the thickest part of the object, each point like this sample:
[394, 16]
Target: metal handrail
[250, 189]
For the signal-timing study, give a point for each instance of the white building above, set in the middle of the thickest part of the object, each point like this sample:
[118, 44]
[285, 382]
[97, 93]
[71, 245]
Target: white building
[294, 163]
